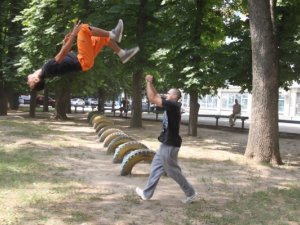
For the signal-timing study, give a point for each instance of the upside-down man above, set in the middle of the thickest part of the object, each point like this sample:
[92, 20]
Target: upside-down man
[90, 41]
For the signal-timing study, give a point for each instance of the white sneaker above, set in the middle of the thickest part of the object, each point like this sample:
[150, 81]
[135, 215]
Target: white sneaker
[140, 193]
[118, 31]
[129, 53]
[190, 199]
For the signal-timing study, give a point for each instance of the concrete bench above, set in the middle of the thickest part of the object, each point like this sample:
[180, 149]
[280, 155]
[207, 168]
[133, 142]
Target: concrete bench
[119, 109]
[82, 107]
[157, 111]
[242, 118]
[217, 117]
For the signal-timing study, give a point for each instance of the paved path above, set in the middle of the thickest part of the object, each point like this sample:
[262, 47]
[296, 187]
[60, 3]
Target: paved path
[223, 122]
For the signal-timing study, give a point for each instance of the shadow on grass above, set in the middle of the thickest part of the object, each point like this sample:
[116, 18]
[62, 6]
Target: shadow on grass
[273, 206]
[22, 166]
[24, 128]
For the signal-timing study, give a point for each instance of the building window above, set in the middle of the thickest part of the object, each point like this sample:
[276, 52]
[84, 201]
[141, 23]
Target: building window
[185, 100]
[208, 102]
[298, 105]
[244, 101]
[227, 100]
[281, 102]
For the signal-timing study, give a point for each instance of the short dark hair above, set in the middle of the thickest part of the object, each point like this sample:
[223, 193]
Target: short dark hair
[178, 93]
[39, 85]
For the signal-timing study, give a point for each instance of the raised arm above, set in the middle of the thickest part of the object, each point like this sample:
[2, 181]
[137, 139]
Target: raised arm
[68, 42]
[152, 94]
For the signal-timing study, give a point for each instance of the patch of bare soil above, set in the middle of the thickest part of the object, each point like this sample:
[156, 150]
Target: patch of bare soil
[213, 162]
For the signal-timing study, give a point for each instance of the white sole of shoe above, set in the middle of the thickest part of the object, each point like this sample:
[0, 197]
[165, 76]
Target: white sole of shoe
[133, 54]
[121, 33]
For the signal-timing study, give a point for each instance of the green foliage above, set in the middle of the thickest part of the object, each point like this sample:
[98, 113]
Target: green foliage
[194, 32]
[44, 25]
[235, 57]
[114, 75]
[10, 33]
[182, 42]
[288, 36]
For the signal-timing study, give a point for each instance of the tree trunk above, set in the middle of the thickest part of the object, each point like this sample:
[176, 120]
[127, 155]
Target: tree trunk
[136, 111]
[193, 117]
[136, 118]
[13, 99]
[32, 104]
[196, 37]
[3, 100]
[263, 140]
[62, 94]
[46, 100]
[276, 158]
[68, 102]
[8, 44]
[101, 100]
[113, 102]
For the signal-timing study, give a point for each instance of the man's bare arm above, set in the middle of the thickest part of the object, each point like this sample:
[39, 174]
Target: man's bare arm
[152, 93]
[68, 42]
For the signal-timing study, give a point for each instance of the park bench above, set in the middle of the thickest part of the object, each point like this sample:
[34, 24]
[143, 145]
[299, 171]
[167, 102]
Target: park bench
[217, 117]
[94, 107]
[242, 118]
[114, 111]
[82, 108]
[119, 109]
[157, 111]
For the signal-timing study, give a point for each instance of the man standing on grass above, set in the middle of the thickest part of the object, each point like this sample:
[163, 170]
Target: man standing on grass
[165, 159]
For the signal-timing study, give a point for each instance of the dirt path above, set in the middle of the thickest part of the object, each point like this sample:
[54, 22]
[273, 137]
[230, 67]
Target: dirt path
[213, 162]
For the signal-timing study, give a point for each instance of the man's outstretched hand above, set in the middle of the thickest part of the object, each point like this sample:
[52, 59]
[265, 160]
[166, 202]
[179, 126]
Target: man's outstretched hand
[67, 36]
[149, 78]
[76, 28]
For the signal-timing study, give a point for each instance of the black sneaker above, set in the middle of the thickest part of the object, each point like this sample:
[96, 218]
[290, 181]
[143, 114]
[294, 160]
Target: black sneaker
[118, 31]
[129, 53]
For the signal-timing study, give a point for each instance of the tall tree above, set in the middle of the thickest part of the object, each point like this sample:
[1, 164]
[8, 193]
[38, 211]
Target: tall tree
[263, 141]
[62, 89]
[193, 33]
[234, 56]
[142, 28]
[10, 33]
[39, 22]
[144, 31]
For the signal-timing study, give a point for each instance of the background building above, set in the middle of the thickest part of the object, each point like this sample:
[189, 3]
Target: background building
[221, 104]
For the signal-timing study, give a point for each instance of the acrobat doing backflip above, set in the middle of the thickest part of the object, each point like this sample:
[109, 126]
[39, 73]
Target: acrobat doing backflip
[90, 41]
